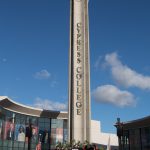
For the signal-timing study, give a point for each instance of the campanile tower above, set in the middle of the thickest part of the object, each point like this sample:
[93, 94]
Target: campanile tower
[79, 72]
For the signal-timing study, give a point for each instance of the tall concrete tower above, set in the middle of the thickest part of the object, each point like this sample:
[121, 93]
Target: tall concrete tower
[79, 72]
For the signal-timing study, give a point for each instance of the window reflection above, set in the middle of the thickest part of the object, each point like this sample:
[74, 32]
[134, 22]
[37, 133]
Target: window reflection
[16, 130]
[58, 131]
[21, 133]
[9, 129]
[34, 137]
[1, 126]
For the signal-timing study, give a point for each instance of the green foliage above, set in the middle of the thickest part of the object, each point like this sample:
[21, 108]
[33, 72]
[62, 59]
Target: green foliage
[68, 146]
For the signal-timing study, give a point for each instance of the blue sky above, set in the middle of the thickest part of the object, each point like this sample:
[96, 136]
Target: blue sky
[34, 44]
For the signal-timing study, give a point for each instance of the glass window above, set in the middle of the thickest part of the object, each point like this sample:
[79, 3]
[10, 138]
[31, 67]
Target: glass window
[5, 148]
[1, 127]
[34, 138]
[9, 128]
[53, 121]
[145, 134]
[20, 132]
[5, 143]
[47, 120]
[58, 131]
[65, 133]
[135, 143]
[41, 119]
[59, 135]
[14, 130]
[32, 129]
[59, 123]
[15, 144]
[0, 143]
[34, 121]
[44, 133]
[10, 143]
[125, 140]
[21, 144]
[54, 126]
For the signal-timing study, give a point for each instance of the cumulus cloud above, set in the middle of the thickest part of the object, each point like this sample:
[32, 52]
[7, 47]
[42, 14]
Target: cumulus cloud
[98, 63]
[111, 94]
[43, 74]
[124, 75]
[49, 105]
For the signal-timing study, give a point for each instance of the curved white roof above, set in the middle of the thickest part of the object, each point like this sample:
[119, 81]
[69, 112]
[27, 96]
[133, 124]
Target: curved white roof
[11, 105]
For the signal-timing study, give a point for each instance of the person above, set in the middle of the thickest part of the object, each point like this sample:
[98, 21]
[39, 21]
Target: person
[10, 132]
[45, 137]
[28, 132]
[34, 135]
[21, 135]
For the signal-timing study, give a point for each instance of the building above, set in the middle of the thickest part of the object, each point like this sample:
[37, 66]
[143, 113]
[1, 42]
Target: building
[23, 127]
[101, 138]
[134, 135]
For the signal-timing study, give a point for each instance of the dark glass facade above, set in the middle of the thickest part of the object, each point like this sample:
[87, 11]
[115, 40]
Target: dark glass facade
[134, 135]
[145, 137]
[135, 139]
[24, 132]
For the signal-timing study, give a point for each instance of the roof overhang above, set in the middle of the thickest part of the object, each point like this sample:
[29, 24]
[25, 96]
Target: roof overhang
[139, 123]
[11, 105]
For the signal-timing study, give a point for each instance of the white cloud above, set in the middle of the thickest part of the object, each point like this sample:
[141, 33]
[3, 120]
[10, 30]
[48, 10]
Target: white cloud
[49, 105]
[43, 74]
[124, 75]
[111, 94]
[98, 63]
